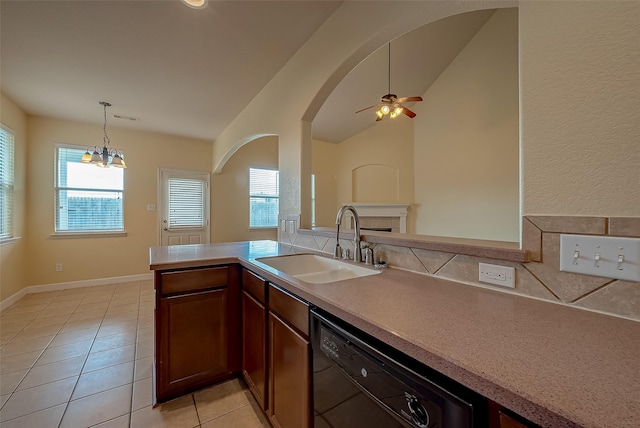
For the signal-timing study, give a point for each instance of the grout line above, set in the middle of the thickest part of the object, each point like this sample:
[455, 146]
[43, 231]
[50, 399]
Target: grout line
[542, 282]
[222, 414]
[419, 261]
[444, 264]
[577, 299]
[193, 398]
[86, 357]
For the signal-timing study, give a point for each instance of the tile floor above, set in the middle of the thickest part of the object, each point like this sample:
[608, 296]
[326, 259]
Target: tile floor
[83, 357]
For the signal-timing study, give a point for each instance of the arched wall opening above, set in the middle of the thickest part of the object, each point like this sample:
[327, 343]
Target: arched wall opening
[230, 191]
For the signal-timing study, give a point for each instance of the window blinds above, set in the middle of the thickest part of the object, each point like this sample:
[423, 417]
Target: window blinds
[186, 203]
[263, 197]
[6, 183]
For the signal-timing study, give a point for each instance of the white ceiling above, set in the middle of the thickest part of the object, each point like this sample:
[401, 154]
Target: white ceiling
[191, 72]
[179, 70]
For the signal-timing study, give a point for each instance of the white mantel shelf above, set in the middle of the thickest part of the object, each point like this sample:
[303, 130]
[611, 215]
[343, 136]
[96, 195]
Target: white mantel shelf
[392, 210]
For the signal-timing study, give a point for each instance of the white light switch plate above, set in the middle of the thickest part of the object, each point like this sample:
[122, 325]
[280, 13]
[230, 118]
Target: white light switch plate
[497, 275]
[579, 254]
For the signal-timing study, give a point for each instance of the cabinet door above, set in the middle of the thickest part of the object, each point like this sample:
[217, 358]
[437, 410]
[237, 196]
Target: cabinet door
[507, 421]
[193, 342]
[289, 376]
[254, 347]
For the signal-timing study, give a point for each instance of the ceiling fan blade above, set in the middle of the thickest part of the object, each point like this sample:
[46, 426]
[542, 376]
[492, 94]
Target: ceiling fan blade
[367, 108]
[408, 112]
[409, 99]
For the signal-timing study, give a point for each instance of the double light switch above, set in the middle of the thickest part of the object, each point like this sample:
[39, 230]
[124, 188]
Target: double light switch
[606, 256]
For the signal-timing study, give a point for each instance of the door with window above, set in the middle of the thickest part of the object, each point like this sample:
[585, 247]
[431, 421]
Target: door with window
[184, 207]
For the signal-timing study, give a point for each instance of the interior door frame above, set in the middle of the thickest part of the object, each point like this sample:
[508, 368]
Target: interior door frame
[161, 198]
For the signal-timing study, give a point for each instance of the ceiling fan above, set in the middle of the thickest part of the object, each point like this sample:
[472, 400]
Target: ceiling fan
[390, 103]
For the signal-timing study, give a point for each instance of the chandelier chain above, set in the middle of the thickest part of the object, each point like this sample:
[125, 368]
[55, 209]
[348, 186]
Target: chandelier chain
[104, 127]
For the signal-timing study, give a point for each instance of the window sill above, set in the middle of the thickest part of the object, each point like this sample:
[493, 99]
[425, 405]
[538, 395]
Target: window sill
[8, 241]
[81, 235]
[263, 228]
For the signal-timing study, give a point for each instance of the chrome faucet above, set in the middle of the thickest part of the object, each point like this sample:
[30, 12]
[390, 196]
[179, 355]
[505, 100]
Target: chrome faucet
[357, 254]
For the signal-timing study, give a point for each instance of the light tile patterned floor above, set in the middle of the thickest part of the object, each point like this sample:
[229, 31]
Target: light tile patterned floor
[83, 357]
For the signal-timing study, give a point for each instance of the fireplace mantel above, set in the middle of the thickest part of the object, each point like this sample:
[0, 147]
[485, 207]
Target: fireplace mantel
[392, 210]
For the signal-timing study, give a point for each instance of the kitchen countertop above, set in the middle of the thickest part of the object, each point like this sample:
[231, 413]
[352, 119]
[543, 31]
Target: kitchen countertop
[553, 364]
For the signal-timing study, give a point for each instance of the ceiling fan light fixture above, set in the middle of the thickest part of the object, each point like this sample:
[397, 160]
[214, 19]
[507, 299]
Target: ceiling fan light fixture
[396, 112]
[390, 104]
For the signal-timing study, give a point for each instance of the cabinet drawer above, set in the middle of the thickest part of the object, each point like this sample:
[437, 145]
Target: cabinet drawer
[291, 309]
[254, 285]
[193, 279]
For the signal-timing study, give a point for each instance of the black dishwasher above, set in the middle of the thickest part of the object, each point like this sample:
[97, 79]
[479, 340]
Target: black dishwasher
[359, 381]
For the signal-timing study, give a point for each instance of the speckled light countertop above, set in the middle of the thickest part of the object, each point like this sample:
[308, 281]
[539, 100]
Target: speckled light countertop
[555, 365]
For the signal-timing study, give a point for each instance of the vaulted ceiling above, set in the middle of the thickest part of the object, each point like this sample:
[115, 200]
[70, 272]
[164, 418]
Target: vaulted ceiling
[190, 72]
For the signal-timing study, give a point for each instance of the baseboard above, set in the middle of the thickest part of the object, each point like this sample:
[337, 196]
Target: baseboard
[12, 299]
[72, 284]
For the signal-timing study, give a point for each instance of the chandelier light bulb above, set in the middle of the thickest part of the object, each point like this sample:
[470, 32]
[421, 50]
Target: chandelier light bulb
[101, 156]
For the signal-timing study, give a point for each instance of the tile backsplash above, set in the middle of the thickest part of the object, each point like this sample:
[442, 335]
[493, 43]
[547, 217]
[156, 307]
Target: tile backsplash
[539, 278]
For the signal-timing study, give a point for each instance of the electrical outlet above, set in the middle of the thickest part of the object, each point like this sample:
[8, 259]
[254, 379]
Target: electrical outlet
[58, 267]
[605, 256]
[497, 275]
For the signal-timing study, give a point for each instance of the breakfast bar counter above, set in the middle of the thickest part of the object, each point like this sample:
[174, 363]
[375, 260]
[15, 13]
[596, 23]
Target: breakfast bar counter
[555, 365]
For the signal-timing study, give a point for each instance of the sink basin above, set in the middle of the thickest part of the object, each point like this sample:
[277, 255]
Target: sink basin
[316, 269]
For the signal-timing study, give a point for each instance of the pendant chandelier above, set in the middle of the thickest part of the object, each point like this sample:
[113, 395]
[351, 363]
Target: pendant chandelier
[101, 155]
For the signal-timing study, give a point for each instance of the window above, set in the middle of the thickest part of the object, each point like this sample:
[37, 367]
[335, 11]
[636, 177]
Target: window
[313, 200]
[87, 198]
[263, 197]
[6, 183]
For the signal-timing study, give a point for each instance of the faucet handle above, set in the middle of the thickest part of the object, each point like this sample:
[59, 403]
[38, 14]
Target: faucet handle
[368, 255]
[346, 254]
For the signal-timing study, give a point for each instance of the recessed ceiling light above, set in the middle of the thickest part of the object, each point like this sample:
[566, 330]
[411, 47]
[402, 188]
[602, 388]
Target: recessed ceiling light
[196, 4]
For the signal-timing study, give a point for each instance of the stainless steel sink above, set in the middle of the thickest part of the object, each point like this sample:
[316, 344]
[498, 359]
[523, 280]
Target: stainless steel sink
[316, 269]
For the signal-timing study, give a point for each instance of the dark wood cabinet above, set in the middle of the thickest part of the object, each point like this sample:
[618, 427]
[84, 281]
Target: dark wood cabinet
[289, 361]
[254, 335]
[197, 329]
[501, 417]
[511, 420]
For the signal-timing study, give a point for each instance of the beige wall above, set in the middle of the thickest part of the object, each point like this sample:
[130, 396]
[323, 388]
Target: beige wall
[303, 84]
[325, 167]
[466, 140]
[463, 146]
[579, 103]
[388, 143]
[230, 192]
[91, 258]
[12, 255]
[580, 107]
